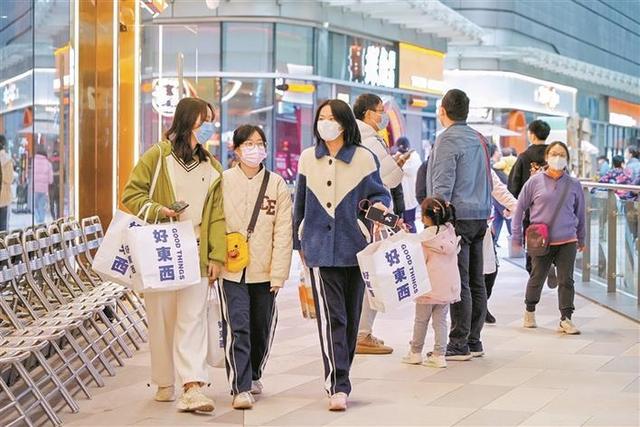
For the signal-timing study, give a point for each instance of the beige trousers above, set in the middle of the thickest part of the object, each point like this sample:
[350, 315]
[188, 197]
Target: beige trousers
[178, 334]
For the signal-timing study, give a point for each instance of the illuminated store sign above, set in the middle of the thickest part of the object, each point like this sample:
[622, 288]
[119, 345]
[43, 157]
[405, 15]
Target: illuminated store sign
[165, 96]
[421, 69]
[547, 95]
[373, 65]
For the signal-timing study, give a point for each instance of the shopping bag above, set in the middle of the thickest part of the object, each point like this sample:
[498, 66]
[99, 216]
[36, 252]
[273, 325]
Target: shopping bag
[165, 256]
[394, 271]
[305, 293]
[112, 261]
[215, 337]
[488, 253]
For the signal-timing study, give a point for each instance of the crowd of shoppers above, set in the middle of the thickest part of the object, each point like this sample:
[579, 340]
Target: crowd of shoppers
[462, 193]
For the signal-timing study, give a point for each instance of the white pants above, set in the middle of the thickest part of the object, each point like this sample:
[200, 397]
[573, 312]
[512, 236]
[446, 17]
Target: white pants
[367, 318]
[178, 334]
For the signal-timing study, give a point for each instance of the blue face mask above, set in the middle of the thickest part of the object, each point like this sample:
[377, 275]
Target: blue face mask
[205, 132]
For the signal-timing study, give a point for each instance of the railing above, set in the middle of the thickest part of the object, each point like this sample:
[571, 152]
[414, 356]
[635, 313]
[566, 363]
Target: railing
[611, 256]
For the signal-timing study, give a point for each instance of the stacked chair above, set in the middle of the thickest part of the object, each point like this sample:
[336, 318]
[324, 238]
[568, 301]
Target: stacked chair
[62, 328]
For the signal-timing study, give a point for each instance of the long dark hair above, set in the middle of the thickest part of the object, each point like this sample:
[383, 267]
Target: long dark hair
[184, 120]
[439, 211]
[344, 116]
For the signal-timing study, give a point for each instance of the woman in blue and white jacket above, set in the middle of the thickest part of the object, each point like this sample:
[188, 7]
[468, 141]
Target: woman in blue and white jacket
[329, 230]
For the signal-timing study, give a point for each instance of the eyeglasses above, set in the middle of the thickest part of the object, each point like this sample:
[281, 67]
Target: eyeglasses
[252, 144]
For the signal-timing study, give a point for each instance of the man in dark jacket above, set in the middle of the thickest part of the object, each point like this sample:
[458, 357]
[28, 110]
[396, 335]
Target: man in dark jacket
[421, 182]
[532, 159]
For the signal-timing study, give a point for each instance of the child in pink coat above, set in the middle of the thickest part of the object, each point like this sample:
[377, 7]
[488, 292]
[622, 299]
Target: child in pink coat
[440, 247]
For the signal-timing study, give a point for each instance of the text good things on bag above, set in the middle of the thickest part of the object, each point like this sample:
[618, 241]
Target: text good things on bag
[165, 255]
[113, 260]
[394, 271]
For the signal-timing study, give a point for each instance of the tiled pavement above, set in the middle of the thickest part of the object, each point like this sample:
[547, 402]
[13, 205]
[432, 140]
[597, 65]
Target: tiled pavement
[528, 377]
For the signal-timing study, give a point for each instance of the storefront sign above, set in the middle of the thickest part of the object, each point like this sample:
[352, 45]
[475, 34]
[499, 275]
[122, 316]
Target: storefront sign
[165, 96]
[513, 91]
[624, 113]
[421, 69]
[547, 95]
[372, 64]
[10, 94]
[17, 92]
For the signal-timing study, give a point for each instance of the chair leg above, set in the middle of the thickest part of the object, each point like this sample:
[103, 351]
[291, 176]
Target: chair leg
[13, 403]
[40, 399]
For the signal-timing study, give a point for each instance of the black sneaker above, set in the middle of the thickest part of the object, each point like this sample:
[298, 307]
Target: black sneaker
[552, 279]
[477, 351]
[490, 319]
[458, 356]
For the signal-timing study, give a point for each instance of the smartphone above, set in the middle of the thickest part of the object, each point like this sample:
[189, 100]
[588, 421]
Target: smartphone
[389, 219]
[178, 207]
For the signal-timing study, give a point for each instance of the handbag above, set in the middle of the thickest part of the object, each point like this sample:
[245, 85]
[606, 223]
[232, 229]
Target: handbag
[237, 243]
[537, 235]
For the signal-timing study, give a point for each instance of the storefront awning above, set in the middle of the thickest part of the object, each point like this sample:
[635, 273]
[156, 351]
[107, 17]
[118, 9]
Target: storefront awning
[424, 16]
[487, 129]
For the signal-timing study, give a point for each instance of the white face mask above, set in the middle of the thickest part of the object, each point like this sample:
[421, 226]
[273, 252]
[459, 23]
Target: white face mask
[329, 129]
[557, 163]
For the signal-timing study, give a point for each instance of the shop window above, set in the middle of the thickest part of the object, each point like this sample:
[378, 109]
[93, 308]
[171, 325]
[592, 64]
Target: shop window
[246, 101]
[294, 130]
[248, 47]
[294, 47]
[199, 49]
[35, 112]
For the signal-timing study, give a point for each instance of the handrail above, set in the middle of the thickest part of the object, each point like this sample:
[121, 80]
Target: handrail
[594, 184]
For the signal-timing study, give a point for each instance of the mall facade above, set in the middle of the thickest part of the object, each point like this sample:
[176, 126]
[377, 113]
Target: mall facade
[92, 85]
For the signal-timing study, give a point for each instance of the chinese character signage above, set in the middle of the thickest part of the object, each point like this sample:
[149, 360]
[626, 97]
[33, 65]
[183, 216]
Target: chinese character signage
[372, 63]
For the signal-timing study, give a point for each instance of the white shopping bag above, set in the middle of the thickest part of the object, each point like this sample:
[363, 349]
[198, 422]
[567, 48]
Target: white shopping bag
[112, 261]
[165, 256]
[215, 337]
[394, 271]
[488, 254]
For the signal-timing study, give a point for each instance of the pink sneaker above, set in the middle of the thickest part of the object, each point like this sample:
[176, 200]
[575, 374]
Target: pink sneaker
[338, 402]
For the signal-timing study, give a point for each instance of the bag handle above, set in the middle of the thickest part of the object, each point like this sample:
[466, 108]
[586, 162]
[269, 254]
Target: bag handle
[565, 190]
[256, 207]
[154, 181]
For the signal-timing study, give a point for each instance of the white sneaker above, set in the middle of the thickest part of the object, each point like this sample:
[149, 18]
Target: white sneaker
[412, 358]
[434, 361]
[568, 327]
[256, 387]
[165, 394]
[194, 400]
[530, 319]
[243, 400]
[338, 402]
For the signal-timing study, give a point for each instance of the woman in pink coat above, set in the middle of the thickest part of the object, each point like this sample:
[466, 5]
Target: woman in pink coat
[440, 247]
[42, 178]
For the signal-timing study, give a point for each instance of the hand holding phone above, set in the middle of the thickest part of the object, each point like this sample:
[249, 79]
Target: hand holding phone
[179, 207]
[376, 214]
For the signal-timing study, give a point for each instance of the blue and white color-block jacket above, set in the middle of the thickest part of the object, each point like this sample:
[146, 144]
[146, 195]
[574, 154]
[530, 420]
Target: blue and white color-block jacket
[327, 222]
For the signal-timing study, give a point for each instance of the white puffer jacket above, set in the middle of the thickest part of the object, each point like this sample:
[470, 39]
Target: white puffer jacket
[390, 172]
[271, 243]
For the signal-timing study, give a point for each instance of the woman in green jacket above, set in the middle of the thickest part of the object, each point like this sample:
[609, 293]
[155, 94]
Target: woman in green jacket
[177, 319]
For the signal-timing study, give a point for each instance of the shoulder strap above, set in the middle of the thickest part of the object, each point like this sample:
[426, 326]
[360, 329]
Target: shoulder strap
[154, 181]
[256, 208]
[487, 158]
[563, 196]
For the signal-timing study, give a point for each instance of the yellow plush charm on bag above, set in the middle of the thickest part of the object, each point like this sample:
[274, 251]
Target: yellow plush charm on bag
[237, 252]
[237, 243]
